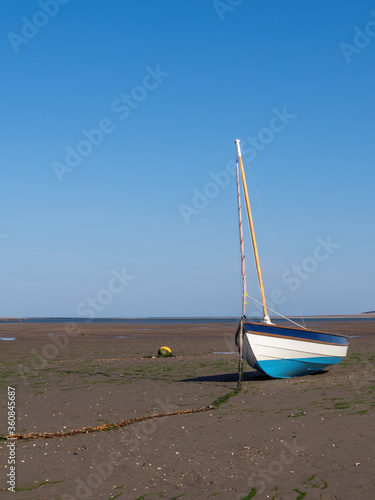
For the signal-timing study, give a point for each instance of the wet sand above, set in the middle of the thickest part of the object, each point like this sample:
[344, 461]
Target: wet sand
[309, 437]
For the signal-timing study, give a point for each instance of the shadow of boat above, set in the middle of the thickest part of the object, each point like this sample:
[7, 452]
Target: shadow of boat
[229, 377]
[251, 376]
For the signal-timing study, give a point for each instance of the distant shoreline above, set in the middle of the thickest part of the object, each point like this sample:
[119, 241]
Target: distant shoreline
[171, 320]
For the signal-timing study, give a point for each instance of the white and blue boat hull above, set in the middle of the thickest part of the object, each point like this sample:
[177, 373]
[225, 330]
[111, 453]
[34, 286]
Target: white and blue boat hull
[284, 352]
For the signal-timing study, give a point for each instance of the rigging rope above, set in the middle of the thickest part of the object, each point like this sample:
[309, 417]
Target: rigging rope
[288, 319]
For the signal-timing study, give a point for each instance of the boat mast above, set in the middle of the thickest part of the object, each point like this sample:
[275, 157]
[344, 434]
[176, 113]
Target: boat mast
[256, 257]
[243, 273]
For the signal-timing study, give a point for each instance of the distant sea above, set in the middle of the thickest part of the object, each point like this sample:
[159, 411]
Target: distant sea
[172, 321]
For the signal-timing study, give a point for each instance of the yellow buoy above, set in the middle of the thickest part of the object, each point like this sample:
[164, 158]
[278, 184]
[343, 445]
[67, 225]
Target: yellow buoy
[164, 351]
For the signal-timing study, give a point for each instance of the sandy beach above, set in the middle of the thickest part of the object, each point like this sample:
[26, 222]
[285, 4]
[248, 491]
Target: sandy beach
[309, 437]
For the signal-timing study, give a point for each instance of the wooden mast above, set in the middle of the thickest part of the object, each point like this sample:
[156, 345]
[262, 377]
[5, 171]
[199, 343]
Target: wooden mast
[256, 257]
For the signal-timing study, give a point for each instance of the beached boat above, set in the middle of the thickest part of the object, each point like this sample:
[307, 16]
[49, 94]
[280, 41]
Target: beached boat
[275, 350]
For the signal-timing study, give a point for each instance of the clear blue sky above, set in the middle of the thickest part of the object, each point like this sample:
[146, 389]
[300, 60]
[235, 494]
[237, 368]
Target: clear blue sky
[172, 84]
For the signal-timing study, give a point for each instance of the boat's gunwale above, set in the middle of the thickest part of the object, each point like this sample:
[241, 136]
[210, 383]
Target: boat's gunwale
[291, 328]
[294, 338]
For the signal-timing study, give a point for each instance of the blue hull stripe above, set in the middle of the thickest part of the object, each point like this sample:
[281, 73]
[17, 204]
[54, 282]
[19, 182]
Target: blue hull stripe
[285, 368]
[294, 333]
